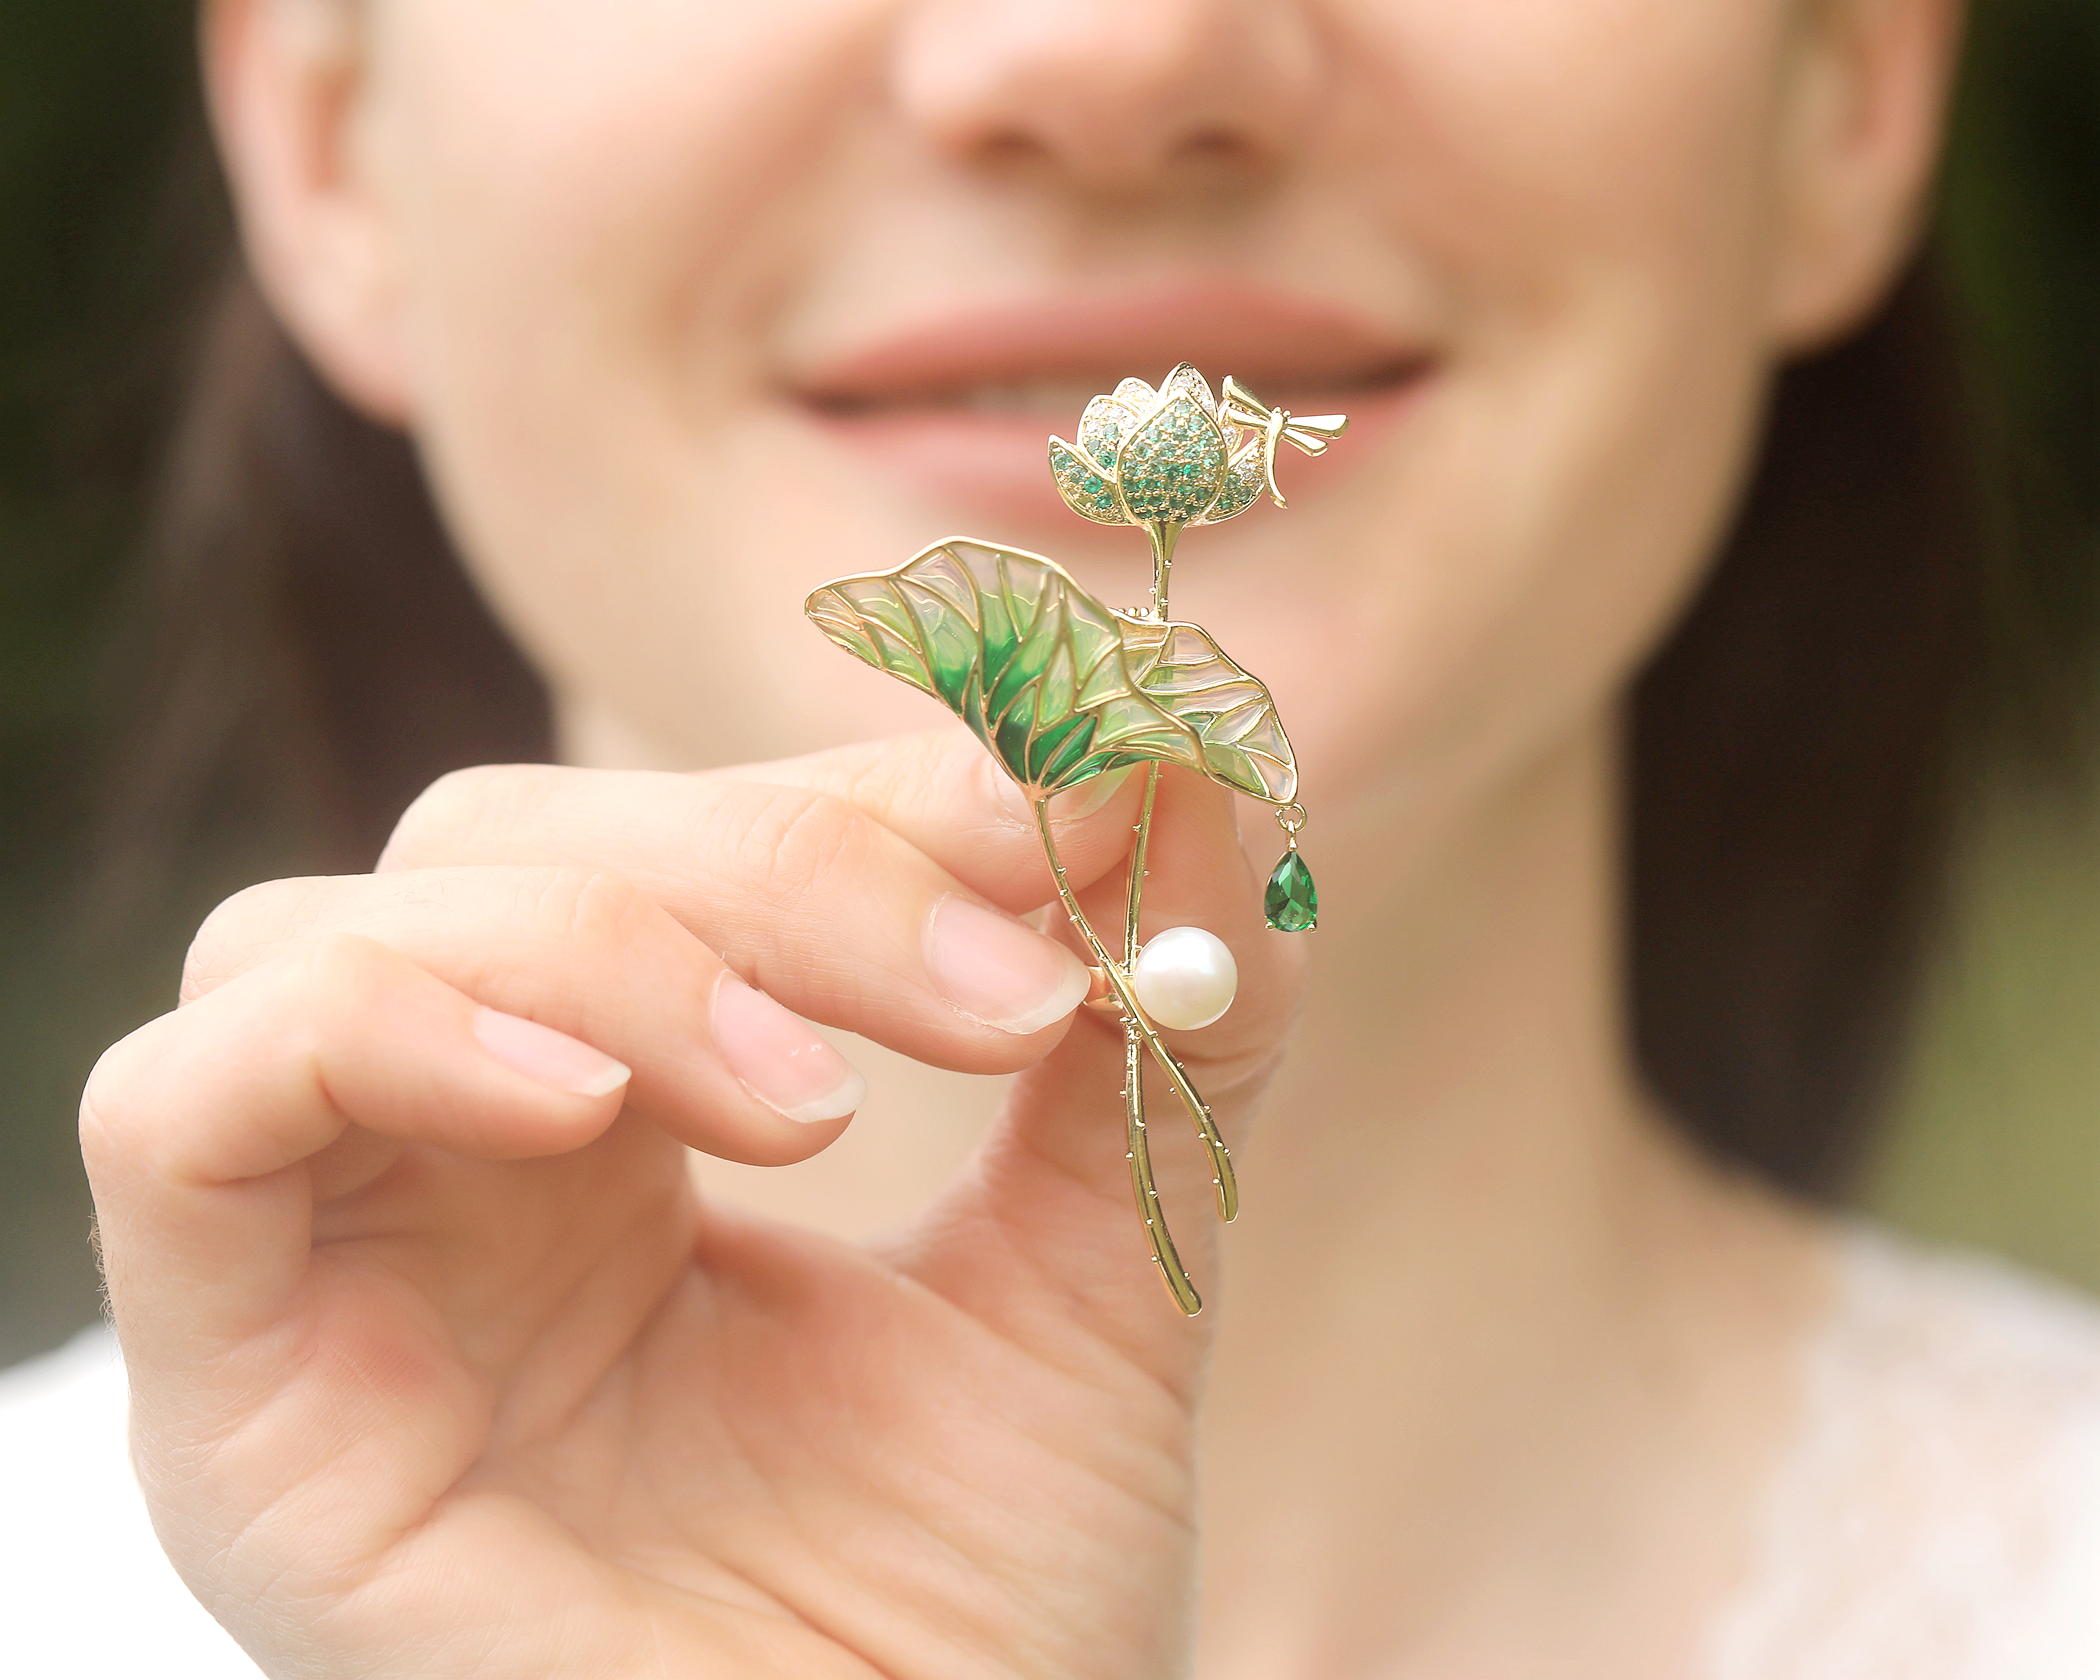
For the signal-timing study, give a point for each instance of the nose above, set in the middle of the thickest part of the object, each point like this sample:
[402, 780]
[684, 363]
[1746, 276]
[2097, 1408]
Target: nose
[1113, 96]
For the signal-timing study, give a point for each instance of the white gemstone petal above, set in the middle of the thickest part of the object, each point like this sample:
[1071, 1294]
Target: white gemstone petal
[1187, 382]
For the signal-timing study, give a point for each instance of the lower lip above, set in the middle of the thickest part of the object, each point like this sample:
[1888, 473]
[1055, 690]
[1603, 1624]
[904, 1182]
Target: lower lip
[993, 464]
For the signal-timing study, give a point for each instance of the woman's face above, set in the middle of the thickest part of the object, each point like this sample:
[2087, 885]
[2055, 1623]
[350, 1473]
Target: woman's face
[695, 306]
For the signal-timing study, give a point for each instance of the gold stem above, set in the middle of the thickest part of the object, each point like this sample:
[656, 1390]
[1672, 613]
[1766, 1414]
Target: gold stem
[1131, 942]
[1136, 1149]
[1164, 534]
[1134, 1019]
[1138, 1152]
[1137, 1146]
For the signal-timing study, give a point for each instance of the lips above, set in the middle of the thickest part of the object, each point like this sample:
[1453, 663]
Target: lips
[961, 408]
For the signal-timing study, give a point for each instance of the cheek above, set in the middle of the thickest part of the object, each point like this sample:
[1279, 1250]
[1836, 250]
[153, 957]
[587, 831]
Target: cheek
[598, 208]
[604, 209]
[1588, 186]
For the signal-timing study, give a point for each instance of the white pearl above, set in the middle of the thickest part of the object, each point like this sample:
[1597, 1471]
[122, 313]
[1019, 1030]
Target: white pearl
[1185, 978]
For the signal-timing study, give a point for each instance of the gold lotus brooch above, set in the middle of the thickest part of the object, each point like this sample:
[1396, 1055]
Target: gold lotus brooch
[1062, 689]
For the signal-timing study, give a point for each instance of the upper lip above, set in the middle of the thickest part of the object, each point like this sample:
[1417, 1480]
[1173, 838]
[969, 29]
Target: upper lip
[1062, 350]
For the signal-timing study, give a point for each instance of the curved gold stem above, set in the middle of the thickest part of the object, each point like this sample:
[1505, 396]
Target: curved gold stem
[1220, 1157]
[1134, 1018]
[1164, 536]
[1131, 942]
[1137, 1146]
[1138, 1152]
[1135, 1021]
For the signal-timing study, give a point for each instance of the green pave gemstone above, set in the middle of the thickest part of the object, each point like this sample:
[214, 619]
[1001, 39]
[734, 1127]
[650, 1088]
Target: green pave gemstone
[1086, 491]
[1292, 903]
[1173, 465]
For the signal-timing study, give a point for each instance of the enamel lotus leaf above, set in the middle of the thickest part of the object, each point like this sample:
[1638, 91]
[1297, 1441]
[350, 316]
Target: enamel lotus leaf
[1060, 687]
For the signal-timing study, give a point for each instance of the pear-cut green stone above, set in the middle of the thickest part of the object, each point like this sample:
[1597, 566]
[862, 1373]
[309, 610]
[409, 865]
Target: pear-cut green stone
[1292, 903]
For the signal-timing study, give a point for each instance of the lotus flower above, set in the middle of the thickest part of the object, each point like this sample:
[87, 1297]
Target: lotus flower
[1178, 456]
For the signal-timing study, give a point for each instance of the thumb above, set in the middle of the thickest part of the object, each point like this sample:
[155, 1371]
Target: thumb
[1047, 1236]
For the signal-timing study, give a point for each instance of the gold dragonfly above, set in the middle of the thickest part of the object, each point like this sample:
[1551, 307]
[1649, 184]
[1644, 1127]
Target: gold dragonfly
[1311, 433]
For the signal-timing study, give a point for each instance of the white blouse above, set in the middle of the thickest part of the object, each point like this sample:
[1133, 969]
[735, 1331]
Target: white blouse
[1936, 1518]
[1938, 1514]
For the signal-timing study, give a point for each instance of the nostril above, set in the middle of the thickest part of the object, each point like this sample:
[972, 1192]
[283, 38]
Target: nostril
[1216, 145]
[1003, 148]
[1108, 153]
[1217, 155]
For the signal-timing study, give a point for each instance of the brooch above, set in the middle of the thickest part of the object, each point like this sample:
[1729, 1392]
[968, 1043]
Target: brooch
[1062, 689]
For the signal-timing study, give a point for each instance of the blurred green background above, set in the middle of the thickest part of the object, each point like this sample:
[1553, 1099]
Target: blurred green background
[110, 233]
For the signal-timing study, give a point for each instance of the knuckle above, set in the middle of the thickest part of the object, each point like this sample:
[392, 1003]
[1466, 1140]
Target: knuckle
[600, 909]
[456, 805]
[798, 840]
[139, 1111]
[251, 922]
[338, 970]
[876, 780]
[110, 1118]
[1242, 1072]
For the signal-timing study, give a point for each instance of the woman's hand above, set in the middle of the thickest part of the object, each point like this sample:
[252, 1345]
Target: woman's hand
[438, 1368]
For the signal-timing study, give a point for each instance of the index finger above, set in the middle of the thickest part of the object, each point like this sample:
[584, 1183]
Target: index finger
[826, 883]
[939, 790]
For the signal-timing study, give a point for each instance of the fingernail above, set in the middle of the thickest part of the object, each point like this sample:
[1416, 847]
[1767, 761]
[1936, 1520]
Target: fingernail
[553, 1058]
[779, 1058]
[1091, 796]
[998, 972]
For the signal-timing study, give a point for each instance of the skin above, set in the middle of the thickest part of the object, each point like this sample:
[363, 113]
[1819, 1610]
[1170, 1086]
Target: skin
[438, 1365]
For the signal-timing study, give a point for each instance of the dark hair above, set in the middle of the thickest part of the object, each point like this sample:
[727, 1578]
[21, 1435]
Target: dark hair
[1794, 757]
[307, 646]
[1791, 743]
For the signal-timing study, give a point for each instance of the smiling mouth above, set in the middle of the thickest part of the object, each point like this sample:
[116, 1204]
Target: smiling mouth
[962, 409]
[1056, 399]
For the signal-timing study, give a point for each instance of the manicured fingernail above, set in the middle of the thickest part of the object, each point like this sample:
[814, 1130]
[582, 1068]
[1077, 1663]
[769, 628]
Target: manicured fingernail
[998, 972]
[779, 1058]
[553, 1058]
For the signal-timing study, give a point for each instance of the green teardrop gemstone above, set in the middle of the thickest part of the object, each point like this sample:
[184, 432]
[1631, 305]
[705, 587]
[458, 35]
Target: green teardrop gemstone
[1292, 903]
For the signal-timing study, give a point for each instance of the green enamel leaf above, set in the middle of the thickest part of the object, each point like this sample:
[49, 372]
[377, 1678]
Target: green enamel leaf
[1009, 643]
[1088, 490]
[1173, 465]
[1243, 742]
